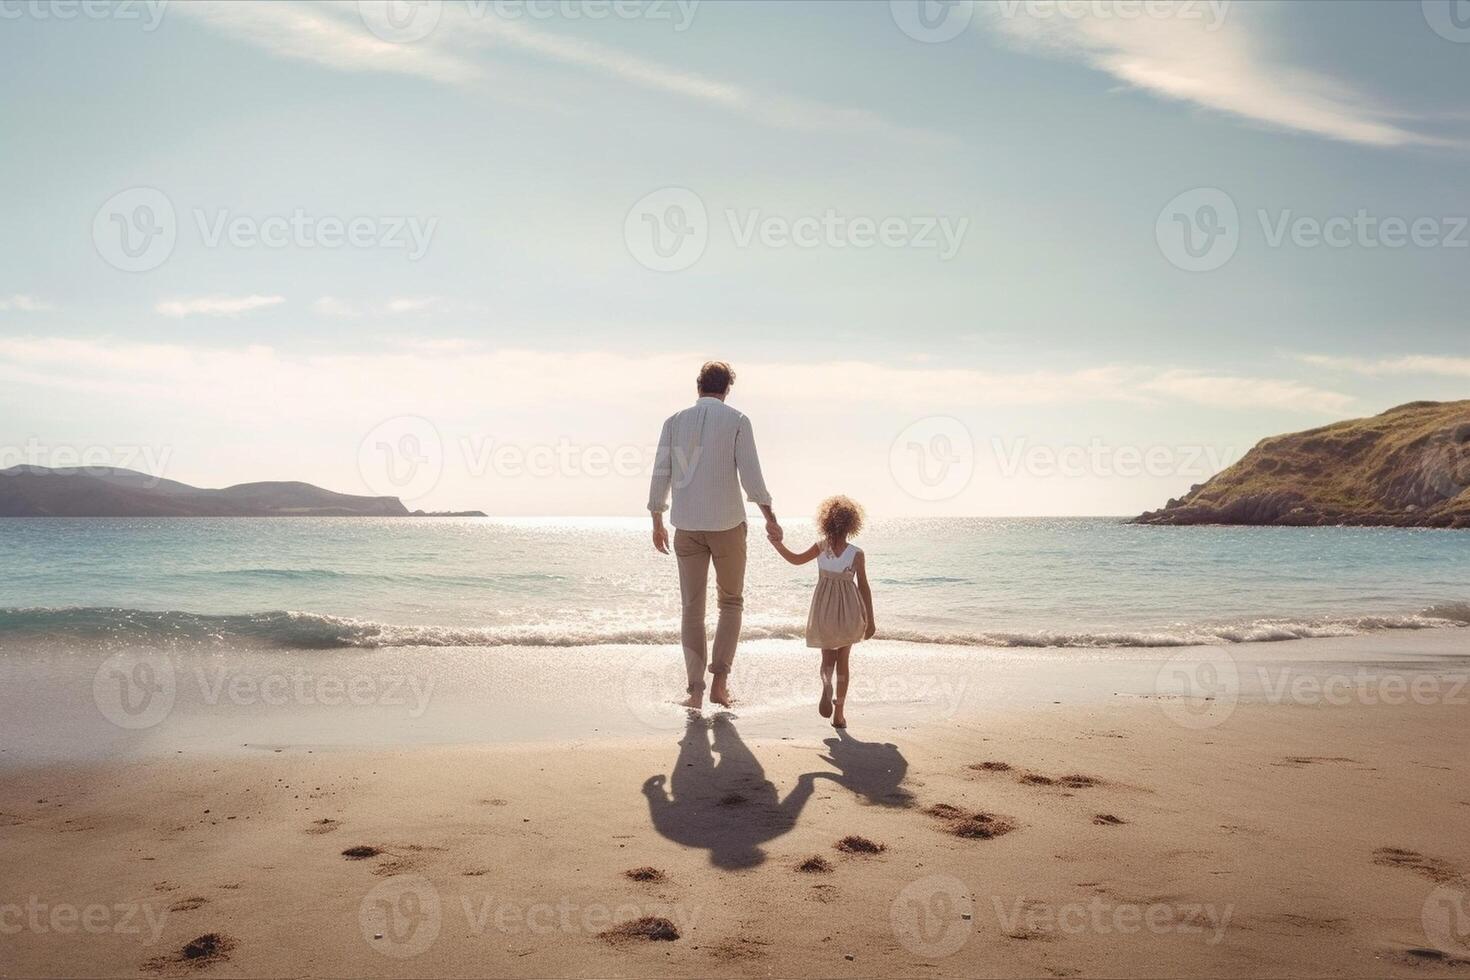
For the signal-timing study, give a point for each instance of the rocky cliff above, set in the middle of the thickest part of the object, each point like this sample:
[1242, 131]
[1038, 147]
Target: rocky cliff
[1408, 467]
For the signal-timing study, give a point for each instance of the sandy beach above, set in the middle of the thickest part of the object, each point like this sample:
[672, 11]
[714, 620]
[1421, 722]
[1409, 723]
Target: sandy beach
[1309, 822]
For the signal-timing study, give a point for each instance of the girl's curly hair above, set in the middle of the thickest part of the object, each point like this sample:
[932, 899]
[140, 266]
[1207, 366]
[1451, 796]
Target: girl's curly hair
[839, 517]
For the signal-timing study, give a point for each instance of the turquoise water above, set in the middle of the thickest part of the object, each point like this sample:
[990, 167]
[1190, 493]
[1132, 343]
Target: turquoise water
[308, 583]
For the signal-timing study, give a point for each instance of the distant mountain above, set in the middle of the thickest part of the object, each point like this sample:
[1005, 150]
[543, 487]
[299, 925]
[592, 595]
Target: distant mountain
[1409, 467]
[38, 491]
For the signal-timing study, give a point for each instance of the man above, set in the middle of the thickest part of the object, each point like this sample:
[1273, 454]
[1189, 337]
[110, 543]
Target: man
[702, 452]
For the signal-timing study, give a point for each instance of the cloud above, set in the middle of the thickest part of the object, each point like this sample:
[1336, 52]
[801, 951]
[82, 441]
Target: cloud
[1431, 364]
[24, 303]
[331, 35]
[216, 305]
[1210, 61]
[462, 379]
[1226, 391]
[419, 304]
[334, 35]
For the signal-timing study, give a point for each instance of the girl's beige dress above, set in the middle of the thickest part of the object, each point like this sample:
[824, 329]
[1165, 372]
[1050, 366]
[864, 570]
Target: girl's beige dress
[838, 618]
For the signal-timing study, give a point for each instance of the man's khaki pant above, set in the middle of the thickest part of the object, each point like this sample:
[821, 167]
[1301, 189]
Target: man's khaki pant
[695, 551]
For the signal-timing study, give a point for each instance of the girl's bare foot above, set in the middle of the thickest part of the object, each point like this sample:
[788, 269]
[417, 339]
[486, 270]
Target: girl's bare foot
[838, 719]
[824, 706]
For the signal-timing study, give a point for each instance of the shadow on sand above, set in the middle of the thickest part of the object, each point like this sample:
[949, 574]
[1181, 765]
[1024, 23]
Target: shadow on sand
[873, 770]
[729, 808]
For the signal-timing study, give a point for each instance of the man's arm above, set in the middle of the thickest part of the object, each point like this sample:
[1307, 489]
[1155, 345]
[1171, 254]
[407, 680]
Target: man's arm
[748, 466]
[660, 485]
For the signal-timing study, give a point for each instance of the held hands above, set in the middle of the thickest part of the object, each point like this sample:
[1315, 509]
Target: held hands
[774, 534]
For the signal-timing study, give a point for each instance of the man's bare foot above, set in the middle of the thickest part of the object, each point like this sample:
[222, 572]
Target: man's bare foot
[838, 719]
[720, 694]
[824, 706]
[695, 701]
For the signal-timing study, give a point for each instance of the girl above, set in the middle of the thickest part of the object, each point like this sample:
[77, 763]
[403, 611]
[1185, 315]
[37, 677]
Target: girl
[842, 607]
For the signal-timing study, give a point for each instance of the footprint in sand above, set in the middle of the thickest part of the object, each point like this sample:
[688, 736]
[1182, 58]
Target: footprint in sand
[739, 948]
[1074, 780]
[189, 904]
[1441, 872]
[647, 929]
[323, 826]
[971, 826]
[646, 874]
[210, 948]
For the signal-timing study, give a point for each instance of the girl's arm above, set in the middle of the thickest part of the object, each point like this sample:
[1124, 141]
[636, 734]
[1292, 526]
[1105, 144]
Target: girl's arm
[861, 564]
[793, 557]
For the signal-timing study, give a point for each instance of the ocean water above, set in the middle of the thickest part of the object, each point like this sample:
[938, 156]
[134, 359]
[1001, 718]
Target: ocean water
[313, 584]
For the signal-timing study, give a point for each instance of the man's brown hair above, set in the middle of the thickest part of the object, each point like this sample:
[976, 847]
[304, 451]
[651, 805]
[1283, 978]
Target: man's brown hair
[715, 378]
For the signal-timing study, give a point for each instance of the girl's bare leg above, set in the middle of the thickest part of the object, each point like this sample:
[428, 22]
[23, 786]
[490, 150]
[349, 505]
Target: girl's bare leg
[838, 719]
[829, 663]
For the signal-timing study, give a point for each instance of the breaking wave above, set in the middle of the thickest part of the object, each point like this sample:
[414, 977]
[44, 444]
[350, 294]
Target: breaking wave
[314, 631]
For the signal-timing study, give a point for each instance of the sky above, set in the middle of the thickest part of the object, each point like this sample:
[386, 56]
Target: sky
[1021, 258]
